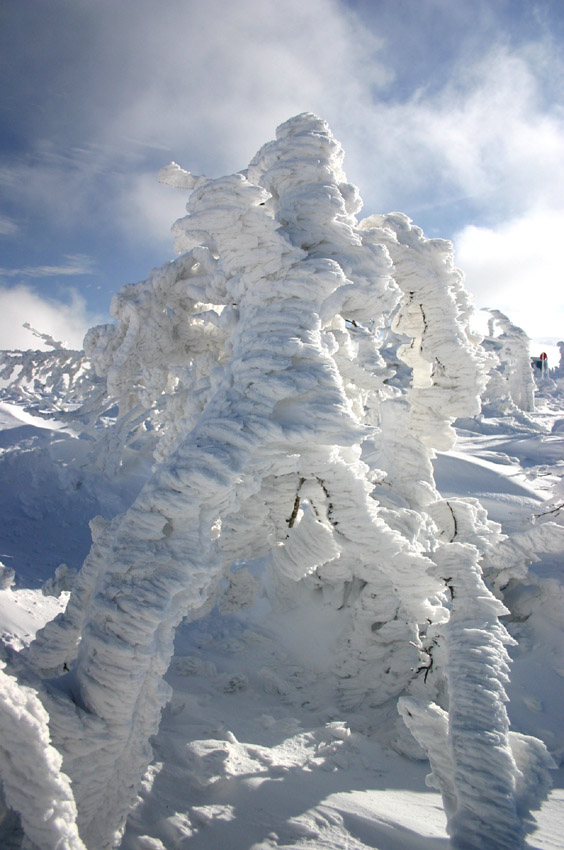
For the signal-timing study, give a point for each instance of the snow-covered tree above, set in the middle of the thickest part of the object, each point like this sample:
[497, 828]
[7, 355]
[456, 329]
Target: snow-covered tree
[511, 379]
[251, 368]
[30, 770]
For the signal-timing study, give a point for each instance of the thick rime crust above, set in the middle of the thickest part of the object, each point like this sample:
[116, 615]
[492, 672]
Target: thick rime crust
[511, 382]
[447, 374]
[477, 763]
[30, 770]
[253, 367]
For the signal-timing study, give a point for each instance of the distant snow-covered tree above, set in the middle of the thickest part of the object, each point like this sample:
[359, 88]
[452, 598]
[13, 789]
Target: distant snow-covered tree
[511, 376]
[49, 381]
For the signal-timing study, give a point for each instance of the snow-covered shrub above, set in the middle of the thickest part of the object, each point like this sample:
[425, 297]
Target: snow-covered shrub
[62, 580]
[557, 374]
[157, 358]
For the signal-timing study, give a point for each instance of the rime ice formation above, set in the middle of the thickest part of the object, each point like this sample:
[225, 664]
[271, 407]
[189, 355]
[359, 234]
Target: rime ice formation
[62, 379]
[277, 412]
[480, 767]
[30, 769]
[250, 366]
[559, 370]
[447, 378]
[484, 770]
[476, 761]
[511, 377]
[57, 344]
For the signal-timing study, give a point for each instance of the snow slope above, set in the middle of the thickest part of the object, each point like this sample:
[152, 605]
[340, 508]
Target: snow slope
[252, 751]
[48, 495]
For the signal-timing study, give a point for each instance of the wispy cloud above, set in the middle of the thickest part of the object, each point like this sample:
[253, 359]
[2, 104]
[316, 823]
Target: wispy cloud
[204, 84]
[8, 227]
[73, 265]
[485, 135]
[148, 207]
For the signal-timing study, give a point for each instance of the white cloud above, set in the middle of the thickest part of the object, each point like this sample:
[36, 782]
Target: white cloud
[75, 264]
[517, 268]
[214, 77]
[7, 226]
[60, 192]
[202, 83]
[150, 208]
[485, 135]
[217, 78]
[126, 87]
[66, 321]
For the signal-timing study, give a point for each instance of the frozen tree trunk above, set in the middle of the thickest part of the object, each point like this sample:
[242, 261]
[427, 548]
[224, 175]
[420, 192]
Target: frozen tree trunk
[447, 368]
[469, 746]
[484, 779]
[447, 377]
[490, 778]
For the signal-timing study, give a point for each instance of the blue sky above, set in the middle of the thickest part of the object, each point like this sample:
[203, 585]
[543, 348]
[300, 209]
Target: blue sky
[449, 110]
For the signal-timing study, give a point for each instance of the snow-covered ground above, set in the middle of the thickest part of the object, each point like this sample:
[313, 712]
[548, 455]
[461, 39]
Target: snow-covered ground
[253, 751]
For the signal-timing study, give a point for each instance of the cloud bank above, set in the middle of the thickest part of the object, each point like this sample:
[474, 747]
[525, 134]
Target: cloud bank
[517, 268]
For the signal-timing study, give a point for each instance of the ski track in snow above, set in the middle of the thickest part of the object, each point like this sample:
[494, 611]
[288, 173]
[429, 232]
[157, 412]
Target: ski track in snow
[251, 753]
